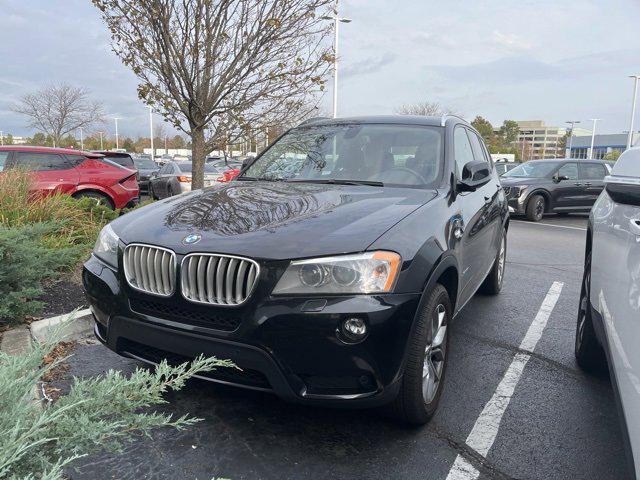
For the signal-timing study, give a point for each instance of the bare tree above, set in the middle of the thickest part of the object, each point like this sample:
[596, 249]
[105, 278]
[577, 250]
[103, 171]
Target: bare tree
[217, 69]
[58, 110]
[425, 109]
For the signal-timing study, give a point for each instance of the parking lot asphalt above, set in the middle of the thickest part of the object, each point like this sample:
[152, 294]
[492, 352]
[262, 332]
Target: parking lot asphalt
[515, 404]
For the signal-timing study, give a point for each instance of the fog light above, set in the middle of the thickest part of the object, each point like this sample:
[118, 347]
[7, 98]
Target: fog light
[354, 328]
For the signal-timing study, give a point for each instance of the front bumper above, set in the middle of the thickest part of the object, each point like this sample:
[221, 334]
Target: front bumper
[287, 346]
[517, 204]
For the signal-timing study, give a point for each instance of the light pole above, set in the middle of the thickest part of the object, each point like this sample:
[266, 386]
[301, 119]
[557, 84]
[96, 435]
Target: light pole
[1, 138]
[633, 108]
[572, 123]
[593, 136]
[151, 131]
[81, 139]
[337, 20]
[101, 147]
[117, 144]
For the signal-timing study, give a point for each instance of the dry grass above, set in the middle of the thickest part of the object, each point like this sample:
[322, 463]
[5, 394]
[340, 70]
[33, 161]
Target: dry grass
[80, 220]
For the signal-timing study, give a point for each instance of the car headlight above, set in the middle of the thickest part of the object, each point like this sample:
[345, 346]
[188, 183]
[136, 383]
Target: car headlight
[372, 272]
[106, 248]
[520, 189]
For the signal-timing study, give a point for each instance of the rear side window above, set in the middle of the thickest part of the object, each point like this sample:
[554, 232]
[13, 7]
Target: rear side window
[41, 161]
[4, 156]
[569, 170]
[594, 171]
[76, 160]
[462, 150]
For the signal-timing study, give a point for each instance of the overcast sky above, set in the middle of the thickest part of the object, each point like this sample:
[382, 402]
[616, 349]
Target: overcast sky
[527, 59]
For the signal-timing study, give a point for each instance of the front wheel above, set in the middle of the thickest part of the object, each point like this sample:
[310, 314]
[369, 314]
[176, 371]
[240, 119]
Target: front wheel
[535, 208]
[589, 353]
[423, 378]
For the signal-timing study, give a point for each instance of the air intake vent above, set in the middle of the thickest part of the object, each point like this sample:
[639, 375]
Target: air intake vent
[150, 269]
[218, 279]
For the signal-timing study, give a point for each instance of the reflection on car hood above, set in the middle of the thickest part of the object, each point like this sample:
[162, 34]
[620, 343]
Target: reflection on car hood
[273, 219]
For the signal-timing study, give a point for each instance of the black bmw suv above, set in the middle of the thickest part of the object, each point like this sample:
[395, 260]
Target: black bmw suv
[559, 186]
[328, 271]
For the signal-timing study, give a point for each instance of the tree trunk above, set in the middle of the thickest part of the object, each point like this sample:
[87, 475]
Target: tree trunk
[198, 154]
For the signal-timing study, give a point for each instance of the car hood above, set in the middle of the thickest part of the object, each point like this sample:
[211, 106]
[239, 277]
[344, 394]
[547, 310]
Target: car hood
[274, 220]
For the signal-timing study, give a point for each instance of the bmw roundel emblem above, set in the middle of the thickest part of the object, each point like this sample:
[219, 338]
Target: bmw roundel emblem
[191, 238]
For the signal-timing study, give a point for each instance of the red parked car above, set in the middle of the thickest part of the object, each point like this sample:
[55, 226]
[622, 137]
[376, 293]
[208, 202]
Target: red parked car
[77, 173]
[228, 175]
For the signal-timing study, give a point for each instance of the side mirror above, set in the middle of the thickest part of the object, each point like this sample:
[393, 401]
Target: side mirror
[246, 162]
[624, 190]
[474, 175]
[558, 178]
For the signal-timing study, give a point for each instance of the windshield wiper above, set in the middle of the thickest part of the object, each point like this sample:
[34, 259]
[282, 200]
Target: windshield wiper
[336, 181]
[259, 179]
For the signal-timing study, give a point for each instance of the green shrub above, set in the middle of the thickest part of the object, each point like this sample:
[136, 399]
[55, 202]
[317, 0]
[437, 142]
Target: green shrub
[40, 236]
[25, 261]
[97, 414]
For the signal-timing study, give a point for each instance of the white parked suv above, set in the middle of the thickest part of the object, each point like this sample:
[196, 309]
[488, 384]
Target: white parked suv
[608, 328]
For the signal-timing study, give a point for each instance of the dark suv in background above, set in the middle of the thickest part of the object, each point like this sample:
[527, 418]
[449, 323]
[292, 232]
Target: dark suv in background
[554, 186]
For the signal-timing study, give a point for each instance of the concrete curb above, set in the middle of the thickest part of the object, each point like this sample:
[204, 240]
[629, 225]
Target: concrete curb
[16, 341]
[78, 324]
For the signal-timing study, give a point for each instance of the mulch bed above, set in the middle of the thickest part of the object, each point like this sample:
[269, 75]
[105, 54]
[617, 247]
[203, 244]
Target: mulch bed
[63, 295]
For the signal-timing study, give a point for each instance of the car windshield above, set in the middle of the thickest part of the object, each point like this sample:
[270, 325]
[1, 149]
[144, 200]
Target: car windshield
[375, 154]
[222, 164]
[185, 167]
[533, 169]
[145, 163]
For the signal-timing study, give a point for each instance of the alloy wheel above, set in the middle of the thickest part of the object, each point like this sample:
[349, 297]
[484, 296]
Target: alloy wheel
[501, 260]
[539, 208]
[582, 312]
[434, 355]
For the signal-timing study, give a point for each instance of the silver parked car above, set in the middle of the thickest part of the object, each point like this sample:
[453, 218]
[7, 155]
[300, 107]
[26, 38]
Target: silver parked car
[608, 327]
[174, 178]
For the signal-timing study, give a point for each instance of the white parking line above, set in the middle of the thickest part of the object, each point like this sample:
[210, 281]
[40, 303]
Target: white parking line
[485, 430]
[550, 225]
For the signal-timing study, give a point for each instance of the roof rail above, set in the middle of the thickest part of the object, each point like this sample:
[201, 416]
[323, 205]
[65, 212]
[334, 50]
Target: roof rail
[443, 120]
[311, 120]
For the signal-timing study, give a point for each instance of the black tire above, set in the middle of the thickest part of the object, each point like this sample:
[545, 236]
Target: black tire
[100, 198]
[493, 283]
[414, 405]
[536, 208]
[589, 353]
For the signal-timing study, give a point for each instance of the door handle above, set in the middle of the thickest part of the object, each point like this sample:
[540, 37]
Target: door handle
[587, 184]
[487, 200]
[635, 226]
[577, 184]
